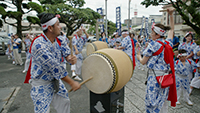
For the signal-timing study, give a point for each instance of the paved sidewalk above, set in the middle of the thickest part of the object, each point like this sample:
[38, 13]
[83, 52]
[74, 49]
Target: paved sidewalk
[135, 95]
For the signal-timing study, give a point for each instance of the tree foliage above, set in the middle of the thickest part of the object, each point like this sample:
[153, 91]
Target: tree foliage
[189, 10]
[111, 28]
[71, 12]
[15, 9]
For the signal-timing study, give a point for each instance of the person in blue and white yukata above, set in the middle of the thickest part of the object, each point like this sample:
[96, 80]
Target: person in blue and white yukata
[189, 46]
[126, 44]
[27, 41]
[78, 42]
[115, 41]
[156, 97]
[46, 69]
[62, 35]
[183, 67]
[195, 83]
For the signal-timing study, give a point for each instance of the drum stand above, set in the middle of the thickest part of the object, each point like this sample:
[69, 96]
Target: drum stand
[107, 103]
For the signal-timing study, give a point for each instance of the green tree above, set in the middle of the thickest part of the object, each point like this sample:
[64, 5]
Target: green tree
[8, 11]
[111, 28]
[185, 8]
[71, 12]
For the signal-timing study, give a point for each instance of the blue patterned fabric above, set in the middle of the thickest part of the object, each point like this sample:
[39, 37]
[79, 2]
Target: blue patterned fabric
[188, 47]
[112, 41]
[126, 42]
[183, 79]
[79, 42]
[46, 66]
[197, 49]
[156, 62]
[155, 95]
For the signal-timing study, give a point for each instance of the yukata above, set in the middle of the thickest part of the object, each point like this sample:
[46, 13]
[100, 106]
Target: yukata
[182, 77]
[7, 50]
[126, 42]
[188, 47]
[63, 62]
[156, 96]
[28, 56]
[196, 80]
[113, 41]
[79, 42]
[46, 68]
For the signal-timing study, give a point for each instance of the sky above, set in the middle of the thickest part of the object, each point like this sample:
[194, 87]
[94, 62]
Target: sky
[112, 4]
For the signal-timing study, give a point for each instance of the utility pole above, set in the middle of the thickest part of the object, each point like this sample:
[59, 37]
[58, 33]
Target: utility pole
[129, 15]
[106, 16]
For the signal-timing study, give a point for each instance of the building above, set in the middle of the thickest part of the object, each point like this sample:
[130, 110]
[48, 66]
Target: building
[179, 28]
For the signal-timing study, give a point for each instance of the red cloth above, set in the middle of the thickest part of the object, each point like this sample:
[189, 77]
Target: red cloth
[133, 53]
[28, 74]
[168, 57]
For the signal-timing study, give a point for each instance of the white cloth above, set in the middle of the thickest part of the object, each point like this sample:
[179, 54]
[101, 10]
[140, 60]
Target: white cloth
[60, 104]
[185, 93]
[77, 67]
[195, 82]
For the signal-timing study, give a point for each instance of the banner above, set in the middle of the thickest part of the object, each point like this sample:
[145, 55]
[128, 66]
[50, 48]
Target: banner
[100, 11]
[142, 25]
[146, 29]
[101, 27]
[118, 20]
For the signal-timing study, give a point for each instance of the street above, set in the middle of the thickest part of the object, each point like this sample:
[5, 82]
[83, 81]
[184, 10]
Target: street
[12, 80]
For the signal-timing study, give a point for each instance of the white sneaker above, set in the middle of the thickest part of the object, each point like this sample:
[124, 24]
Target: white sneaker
[77, 78]
[24, 71]
[73, 74]
[13, 62]
[178, 103]
[189, 102]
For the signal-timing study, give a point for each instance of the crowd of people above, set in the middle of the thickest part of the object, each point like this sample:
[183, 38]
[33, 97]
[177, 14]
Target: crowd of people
[48, 53]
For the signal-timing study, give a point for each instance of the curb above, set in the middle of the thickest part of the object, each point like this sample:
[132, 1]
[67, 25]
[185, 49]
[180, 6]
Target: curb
[10, 100]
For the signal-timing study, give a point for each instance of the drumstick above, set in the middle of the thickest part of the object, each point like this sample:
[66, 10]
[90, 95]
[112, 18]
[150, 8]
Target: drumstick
[83, 82]
[70, 39]
[164, 10]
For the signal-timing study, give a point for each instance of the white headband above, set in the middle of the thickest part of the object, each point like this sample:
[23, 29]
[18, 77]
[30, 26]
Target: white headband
[115, 33]
[49, 23]
[184, 54]
[125, 32]
[159, 31]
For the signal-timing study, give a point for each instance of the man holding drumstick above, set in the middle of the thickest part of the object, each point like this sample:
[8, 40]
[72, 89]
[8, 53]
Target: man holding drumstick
[46, 70]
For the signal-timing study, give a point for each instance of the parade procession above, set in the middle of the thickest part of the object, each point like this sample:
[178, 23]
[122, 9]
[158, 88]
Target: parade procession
[77, 56]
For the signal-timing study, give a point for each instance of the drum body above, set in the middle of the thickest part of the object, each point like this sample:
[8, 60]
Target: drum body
[111, 70]
[94, 46]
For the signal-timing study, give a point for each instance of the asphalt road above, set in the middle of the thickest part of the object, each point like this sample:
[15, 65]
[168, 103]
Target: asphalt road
[12, 76]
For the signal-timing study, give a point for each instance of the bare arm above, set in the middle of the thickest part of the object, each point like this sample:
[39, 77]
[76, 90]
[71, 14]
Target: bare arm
[76, 50]
[85, 33]
[171, 31]
[190, 55]
[74, 85]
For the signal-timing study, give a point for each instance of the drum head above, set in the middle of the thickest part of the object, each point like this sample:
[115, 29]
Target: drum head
[97, 66]
[90, 49]
[94, 46]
